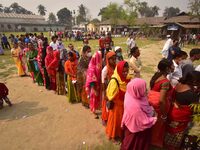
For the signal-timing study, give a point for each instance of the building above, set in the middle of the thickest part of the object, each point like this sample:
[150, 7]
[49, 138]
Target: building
[92, 27]
[11, 22]
[119, 27]
[182, 24]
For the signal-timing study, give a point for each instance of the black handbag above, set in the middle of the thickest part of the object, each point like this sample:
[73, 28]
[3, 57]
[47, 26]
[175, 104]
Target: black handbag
[110, 104]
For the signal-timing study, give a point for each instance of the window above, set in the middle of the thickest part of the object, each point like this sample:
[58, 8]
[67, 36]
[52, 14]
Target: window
[102, 29]
[9, 26]
[107, 28]
[35, 29]
[2, 26]
[44, 29]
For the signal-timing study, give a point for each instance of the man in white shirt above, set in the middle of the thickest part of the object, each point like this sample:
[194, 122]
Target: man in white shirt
[54, 44]
[166, 47]
[177, 74]
[130, 43]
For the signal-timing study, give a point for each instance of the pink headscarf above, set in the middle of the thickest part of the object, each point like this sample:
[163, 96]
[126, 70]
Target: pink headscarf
[137, 111]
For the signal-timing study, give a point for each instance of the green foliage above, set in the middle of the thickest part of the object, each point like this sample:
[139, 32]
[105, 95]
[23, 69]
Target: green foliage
[147, 11]
[15, 8]
[82, 14]
[52, 18]
[64, 16]
[171, 11]
[41, 10]
[114, 12]
[194, 6]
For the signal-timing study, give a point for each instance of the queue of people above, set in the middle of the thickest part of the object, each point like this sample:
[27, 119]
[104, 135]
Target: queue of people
[105, 81]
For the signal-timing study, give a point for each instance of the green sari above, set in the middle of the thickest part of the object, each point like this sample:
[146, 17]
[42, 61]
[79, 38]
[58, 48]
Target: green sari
[33, 66]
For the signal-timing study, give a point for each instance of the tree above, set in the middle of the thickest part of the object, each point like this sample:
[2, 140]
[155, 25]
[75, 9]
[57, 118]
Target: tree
[155, 10]
[83, 14]
[64, 16]
[41, 10]
[194, 6]
[52, 18]
[171, 11]
[131, 10]
[146, 11]
[15, 8]
[1, 8]
[7, 10]
[142, 8]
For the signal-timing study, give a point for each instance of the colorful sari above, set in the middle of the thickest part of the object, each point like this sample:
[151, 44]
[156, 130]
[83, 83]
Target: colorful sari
[93, 81]
[33, 65]
[15, 54]
[116, 94]
[159, 129]
[71, 70]
[81, 79]
[137, 118]
[51, 71]
[110, 71]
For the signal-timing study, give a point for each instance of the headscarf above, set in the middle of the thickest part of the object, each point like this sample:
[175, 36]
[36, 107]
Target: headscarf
[135, 99]
[110, 69]
[94, 70]
[49, 58]
[56, 58]
[120, 67]
[113, 88]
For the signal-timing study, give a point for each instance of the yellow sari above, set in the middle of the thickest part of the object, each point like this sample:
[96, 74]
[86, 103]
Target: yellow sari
[15, 55]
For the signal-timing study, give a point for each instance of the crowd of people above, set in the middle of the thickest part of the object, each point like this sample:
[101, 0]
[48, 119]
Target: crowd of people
[105, 81]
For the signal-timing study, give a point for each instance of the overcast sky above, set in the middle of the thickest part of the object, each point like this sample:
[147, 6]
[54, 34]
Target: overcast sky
[93, 5]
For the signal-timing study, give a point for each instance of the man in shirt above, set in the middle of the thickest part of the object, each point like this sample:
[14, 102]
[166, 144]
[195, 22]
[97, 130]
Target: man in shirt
[54, 44]
[188, 64]
[166, 47]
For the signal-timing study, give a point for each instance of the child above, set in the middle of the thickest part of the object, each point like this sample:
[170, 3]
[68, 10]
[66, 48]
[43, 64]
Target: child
[3, 95]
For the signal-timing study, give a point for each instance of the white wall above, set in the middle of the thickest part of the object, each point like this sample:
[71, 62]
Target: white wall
[104, 28]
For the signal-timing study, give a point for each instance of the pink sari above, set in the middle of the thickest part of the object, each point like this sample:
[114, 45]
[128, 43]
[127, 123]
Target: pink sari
[94, 79]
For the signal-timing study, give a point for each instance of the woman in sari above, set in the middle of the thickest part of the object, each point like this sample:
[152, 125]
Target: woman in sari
[93, 82]
[115, 92]
[180, 114]
[44, 54]
[32, 63]
[15, 52]
[106, 74]
[159, 98]
[71, 71]
[138, 117]
[50, 70]
[81, 75]
[60, 83]
[23, 57]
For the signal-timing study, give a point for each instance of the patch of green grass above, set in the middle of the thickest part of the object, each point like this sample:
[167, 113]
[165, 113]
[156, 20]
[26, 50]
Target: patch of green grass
[6, 65]
[148, 69]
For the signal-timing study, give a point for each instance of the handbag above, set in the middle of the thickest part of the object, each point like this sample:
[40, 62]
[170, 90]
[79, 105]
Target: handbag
[110, 104]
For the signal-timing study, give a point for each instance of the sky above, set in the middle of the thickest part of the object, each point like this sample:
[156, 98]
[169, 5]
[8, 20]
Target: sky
[93, 5]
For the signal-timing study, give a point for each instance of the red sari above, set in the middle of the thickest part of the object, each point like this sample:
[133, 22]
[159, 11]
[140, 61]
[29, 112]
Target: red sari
[50, 69]
[159, 129]
[110, 70]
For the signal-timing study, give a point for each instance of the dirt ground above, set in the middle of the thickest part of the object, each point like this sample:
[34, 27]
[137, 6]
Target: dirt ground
[42, 120]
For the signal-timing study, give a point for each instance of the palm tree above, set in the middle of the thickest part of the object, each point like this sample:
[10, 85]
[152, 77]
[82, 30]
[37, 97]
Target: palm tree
[155, 10]
[1, 8]
[15, 8]
[41, 10]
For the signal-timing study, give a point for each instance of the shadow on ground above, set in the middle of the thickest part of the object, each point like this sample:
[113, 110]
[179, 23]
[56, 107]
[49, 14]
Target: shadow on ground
[21, 110]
